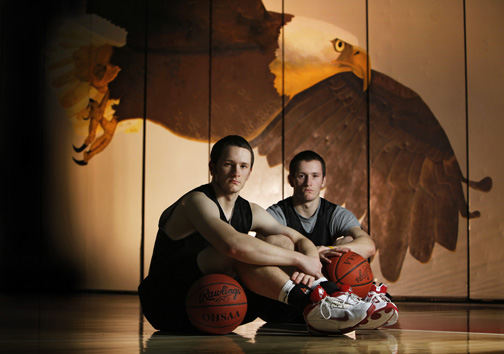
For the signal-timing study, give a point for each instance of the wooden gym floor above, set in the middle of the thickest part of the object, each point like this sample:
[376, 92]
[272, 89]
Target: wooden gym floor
[111, 323]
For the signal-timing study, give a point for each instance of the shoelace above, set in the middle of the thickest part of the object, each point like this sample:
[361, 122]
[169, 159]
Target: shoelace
[371, 296]
[328, 302]
[325, 304]
[379, 295]
[383, 297]
[355, 298]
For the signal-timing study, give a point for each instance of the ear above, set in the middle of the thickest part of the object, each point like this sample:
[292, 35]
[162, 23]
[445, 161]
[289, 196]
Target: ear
[291, 180]
[323, 182]
[211, 167]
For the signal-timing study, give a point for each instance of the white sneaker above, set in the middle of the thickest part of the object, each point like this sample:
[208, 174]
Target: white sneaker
[335, 314]
[385, 312]
[382, 289]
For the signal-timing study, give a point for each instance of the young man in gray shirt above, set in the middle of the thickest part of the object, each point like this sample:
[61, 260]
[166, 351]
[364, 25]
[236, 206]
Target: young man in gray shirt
[332, 228]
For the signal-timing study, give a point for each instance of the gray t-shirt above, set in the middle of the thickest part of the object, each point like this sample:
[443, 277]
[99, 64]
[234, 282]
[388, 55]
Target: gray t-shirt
[341, 220]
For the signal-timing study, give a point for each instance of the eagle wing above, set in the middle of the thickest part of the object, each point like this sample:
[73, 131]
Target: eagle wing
[414, 178]
[199, 67]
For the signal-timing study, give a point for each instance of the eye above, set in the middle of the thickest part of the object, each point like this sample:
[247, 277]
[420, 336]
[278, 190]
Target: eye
[338, 45]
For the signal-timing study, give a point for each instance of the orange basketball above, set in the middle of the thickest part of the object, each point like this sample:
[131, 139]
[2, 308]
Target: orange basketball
[350, 269]
[216, 303]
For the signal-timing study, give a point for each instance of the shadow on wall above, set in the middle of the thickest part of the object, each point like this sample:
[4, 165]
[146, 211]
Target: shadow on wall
[28, 259]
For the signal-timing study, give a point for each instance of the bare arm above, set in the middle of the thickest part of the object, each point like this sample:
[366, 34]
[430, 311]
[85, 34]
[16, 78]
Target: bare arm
[203, 214]
[265, 224]
[357, 241]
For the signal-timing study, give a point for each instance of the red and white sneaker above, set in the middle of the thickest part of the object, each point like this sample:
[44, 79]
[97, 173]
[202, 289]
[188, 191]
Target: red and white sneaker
[382, 289]
[385, 312]
[335, 314]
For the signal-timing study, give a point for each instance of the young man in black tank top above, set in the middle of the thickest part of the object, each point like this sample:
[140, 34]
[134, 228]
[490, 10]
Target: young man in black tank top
[332, 228]
[206, 231]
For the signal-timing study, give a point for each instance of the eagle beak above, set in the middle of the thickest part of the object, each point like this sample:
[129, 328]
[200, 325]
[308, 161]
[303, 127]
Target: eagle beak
[357, 62]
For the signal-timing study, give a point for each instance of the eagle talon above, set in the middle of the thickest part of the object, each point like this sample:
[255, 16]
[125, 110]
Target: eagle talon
[79, 162]
[79, 149]
[474, 214]
[483, 185]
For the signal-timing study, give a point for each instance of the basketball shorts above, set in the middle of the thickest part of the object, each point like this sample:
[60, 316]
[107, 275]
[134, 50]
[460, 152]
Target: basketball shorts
[163, 296]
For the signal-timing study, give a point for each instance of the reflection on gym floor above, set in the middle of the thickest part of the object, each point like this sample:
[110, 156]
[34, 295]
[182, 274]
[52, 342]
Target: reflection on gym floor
[108, 323]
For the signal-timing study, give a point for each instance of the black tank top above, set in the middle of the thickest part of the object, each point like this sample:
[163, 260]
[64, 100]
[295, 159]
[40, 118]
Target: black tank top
[320, 235]
[167, 252]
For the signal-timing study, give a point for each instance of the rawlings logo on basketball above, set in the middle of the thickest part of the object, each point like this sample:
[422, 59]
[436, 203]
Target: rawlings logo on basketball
[219, 295]
[216, 303]
[350, 259]
[362, 276]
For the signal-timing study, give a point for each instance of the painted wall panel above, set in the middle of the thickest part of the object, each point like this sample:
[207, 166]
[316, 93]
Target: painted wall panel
[485, 73]
[264, 186]
[244, 99]
[420, 44]
[107, 202]
[173, 166]
[177, 109]
[101, 198]
[95, 209]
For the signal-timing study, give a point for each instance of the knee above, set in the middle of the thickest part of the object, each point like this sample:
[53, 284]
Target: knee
[210, 260]
[280, 241]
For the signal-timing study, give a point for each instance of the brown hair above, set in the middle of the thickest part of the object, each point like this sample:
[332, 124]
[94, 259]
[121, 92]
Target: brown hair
[306, 155]
[230, 140]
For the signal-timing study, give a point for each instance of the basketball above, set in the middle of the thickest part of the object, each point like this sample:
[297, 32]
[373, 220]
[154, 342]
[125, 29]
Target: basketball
[216, 304]
[350, 269]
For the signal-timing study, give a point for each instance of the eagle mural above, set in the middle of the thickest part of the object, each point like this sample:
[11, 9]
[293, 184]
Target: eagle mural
[114, 75]
[342, 109]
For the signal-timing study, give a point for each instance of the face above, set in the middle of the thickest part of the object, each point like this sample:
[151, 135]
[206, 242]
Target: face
[232, 170]
[307, 181]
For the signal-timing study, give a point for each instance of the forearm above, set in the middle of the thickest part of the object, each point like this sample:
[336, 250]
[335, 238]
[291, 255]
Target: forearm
[251, 250]
[363, 245]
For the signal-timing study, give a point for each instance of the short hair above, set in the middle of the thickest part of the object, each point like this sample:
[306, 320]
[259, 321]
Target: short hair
[306, 155]
[230, 140]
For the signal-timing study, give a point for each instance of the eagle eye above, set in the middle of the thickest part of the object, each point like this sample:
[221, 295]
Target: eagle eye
[338, 45]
